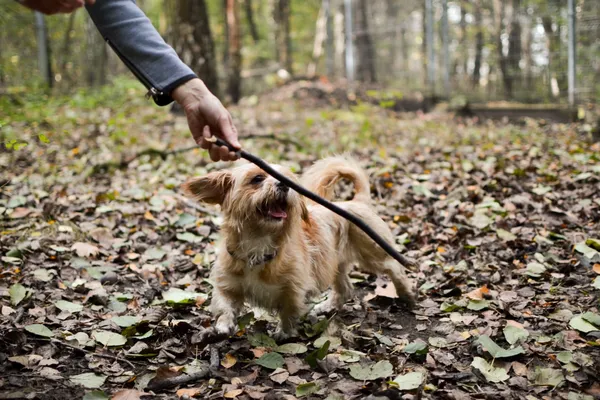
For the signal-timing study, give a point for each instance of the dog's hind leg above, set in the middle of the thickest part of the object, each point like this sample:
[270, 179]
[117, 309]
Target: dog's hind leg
[341, 291]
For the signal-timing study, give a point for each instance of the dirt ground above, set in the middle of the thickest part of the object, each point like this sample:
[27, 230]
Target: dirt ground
[103, 287]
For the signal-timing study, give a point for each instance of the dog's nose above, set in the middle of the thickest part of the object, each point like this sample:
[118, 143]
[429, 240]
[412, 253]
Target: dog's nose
[281, 187]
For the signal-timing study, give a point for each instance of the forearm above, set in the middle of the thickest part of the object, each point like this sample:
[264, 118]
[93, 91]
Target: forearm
[135, 40]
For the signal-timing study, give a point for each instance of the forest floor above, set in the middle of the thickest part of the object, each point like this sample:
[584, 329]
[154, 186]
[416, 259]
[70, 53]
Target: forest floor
[103, 285]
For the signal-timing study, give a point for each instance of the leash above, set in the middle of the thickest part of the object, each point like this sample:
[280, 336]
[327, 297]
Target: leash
[318, 199]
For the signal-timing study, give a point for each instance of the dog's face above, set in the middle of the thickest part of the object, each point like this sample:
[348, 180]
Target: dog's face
[249, 197]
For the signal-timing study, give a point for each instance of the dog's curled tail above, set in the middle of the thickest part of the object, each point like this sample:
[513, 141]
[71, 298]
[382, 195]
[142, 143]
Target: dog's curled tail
[322, 176]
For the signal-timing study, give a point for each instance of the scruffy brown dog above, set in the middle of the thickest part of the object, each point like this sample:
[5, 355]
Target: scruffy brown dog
[276, 251]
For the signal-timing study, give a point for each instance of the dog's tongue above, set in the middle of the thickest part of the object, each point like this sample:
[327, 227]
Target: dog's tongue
[278, 213]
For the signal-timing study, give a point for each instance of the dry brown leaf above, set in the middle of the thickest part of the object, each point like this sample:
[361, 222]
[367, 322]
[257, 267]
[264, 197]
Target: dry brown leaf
[129, 394]
[519, 369]
[228, 361]
[280, 375]
[233, 393]
[596, 268]
[478, 294]
[191, 392]
[85, 249]
[258, 352]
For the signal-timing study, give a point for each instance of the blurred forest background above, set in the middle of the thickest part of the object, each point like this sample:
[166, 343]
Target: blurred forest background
[481, 50]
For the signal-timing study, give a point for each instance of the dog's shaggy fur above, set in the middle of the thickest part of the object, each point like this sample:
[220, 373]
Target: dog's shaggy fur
[277, 250]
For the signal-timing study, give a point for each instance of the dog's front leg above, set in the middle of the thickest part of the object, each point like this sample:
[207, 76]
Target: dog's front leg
[292, 307]
[226, 305]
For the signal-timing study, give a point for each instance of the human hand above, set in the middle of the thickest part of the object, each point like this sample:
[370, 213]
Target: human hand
[207, 117]
[50, 7]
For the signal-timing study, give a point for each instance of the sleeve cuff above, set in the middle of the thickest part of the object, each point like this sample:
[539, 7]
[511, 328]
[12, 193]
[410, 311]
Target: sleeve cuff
[163, 98]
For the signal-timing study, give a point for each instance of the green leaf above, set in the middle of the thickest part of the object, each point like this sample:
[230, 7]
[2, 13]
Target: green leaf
[40, 330]
[596, 282]
[17, 293]
[43, 138]
[180, 297]
[419, 348]
[185, 219]
[262, 340]
[95, 395]
[43, 274]
[316, 329]
[304, 389]
[64, 305]
[514, 334]
[16, 201]
[109, 339]
[505, 236]
[410, 381]
[592, 318]
[579, 396]
[334, 342]
[565, 357]
[477, 305]
[189, 237]
[382, 339]
[318, 354]
[292, 348]
[381, 369]
[593, 243]
[579, 323]
[548, 377]
[350, 356]
[535, 269]
[126, 321]
[154, 253]
[541, 190]
[271, 360]
[491, 373]
[587, 252]
[480, 220]
[88, 380]
[496, 351]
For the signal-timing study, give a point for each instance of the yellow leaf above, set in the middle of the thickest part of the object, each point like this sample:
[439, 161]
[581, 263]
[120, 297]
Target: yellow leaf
[228, 361]
[233, 393]
[596, 268]
[148, 215]
[190, 392]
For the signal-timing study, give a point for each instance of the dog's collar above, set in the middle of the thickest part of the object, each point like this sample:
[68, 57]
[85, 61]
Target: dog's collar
[254, 261]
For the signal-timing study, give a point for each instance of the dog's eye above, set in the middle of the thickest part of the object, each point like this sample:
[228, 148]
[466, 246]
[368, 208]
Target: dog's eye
[257, 179]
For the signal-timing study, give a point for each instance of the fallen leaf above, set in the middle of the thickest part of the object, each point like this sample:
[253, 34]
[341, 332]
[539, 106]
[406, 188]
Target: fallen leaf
[232, 394]
[88, 380]
[410, 381]
[271, 360]
[228, 361]
[381, 369]
[190, 392]
[129, 394]
[491, 373]
[280, 375]
[478, 293]
[85, 250]
[40, 330]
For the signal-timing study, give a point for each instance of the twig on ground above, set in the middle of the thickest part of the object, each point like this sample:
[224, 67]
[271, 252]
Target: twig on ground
[182, 379]
[109, 356]
[125, 161]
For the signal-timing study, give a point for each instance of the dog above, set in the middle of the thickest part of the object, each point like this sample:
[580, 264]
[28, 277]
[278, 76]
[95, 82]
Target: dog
[278, 249]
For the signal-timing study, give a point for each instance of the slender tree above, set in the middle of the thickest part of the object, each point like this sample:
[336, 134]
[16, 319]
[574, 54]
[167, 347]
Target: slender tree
[364, 43]
[235, 54]
[283, 37]
[191, 37]
[248, 8]
[478, 42]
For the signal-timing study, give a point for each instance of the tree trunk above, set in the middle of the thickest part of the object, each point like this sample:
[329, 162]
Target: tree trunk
[320, 33]
[66, 48]
[235, 53]
[192, 39]
[226, 37]
[339, 39]
[250, 18]
[283, 35]
[393, 20]
[499, 12]
[464, 46]
[44, 54]
[514, 45]
[366, 52]
[478, 43]
[95, 54]
[553, 44]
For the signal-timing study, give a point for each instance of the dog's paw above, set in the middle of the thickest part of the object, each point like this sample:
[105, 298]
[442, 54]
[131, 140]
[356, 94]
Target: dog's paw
[225, 327]
[281, 335]
[408, 299]
[208, 336]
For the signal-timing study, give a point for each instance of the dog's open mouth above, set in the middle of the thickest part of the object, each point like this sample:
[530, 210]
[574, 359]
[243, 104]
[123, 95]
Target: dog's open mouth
[276, 210]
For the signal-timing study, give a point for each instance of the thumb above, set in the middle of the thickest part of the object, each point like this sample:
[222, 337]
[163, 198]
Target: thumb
[229, 131]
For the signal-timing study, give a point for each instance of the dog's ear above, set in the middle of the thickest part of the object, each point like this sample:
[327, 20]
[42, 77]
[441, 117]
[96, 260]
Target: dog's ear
[304, 211]
[211, 188]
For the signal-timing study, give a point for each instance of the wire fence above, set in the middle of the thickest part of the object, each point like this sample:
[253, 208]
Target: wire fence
[482, 50]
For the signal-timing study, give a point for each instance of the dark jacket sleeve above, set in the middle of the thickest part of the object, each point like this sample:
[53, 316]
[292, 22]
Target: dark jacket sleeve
[132, 36]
